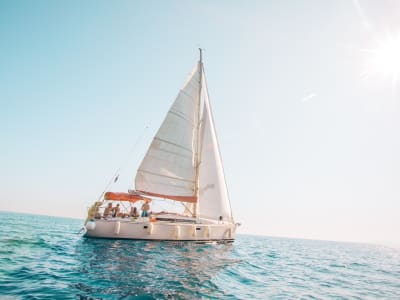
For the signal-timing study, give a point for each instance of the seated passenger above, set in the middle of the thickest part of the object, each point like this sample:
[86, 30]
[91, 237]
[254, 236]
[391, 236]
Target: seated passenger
[93, 212]
[116, 211]
[97, 214]
[134, 213]
[108, 210]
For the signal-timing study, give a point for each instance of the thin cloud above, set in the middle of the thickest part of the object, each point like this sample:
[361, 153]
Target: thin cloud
[308, 97]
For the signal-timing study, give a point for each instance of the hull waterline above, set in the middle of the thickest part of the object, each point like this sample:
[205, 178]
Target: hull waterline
[160, 231]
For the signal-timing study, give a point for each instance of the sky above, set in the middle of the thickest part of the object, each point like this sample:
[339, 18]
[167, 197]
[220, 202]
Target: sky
[305, 98]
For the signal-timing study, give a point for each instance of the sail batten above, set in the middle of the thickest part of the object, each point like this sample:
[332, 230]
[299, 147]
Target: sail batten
[187, 95]
[180, 115]
[171, 177]
[174, 144]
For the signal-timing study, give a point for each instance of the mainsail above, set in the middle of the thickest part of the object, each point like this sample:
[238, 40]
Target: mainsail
[169, 167]
[183, 161]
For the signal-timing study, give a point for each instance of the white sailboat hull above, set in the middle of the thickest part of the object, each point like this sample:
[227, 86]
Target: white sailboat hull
[183, 163]
[160, 230]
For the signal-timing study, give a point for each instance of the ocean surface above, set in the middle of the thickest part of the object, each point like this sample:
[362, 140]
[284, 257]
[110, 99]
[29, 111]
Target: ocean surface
[44, 258]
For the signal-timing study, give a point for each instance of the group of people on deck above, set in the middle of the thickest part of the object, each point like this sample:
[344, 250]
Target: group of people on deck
[115, 211]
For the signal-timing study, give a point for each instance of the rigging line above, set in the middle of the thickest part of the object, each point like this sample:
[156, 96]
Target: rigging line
[162, 207]
[173, 202]
[187, 208]
[123, 205]
[114, 178]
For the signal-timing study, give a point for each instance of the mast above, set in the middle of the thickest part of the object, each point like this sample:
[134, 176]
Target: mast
[198, 150]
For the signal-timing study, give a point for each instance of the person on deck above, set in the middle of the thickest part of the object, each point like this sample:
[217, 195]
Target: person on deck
[97, 214]
[93, 212]
[134, 213]
[145, 209]
[108, 210]
[116, 211]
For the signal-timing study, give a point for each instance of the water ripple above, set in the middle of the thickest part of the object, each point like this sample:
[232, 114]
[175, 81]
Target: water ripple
[42, 258]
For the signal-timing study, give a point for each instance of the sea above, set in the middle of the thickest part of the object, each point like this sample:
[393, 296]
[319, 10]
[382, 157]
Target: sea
[44, 257]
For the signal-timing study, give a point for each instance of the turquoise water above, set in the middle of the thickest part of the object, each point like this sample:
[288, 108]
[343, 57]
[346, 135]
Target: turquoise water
[43, 258]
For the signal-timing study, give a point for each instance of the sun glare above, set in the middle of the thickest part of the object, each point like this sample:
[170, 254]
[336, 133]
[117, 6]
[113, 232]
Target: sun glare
[385, 58]
[387, 55]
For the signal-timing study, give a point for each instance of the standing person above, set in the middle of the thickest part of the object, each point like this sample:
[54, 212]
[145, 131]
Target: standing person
[145, 208]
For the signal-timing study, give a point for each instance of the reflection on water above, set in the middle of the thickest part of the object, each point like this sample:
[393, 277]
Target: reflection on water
[127, 268]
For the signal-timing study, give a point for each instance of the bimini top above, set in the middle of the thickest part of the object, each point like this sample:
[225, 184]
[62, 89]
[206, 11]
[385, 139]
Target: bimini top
[124, 197]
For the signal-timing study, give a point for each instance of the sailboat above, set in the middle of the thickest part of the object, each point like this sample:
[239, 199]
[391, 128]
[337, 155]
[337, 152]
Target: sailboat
[182, 165]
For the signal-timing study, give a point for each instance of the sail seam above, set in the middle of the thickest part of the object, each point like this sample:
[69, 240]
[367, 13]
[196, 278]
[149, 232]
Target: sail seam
[173, 144]
[180, 187]
[191, 83]
[161, 175]
[187, 95]
[177, 154]
[180, 115]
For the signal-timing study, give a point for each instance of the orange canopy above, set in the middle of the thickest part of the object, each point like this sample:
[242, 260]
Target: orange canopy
[124, 197]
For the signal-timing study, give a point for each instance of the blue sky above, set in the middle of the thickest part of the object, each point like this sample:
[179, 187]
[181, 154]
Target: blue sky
[308, 127]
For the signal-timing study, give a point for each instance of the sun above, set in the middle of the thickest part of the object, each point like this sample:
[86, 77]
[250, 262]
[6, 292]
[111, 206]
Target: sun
[385, 57]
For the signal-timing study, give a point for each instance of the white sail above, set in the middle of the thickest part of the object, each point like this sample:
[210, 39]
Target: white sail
[182, 163]
[214, 200]
[169, 167]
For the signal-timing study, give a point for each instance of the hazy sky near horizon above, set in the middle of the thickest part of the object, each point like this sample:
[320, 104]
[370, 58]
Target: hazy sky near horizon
[307, 117]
